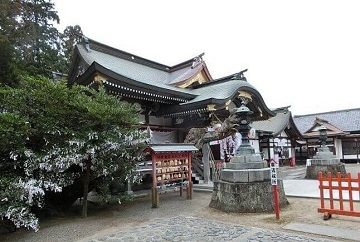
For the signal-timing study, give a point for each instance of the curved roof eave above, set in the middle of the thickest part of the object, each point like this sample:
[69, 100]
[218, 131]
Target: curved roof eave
[268, 112]
[293, 125]
[203, 103]
[283, 127]
[76, 59]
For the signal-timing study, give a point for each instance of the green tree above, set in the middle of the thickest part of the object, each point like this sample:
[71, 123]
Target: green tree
[70, 37]
[8, 13]
[7, 65]
[28, 25]
[37, 40]
[63, 142]
[9, 10]
[37, 47]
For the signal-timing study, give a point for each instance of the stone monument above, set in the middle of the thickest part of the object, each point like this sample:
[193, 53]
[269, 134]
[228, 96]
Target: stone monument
[324, 160]
[244, 184]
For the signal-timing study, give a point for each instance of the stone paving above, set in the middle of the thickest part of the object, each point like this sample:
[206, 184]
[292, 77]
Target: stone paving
[182, 228]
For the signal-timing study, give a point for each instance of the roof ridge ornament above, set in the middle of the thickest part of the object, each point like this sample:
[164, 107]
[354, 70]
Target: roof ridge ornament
[197, 60]
[240, 75]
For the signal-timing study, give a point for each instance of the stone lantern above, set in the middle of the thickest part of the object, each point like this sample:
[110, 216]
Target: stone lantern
[322, 135]
[243, 115]
[324, 160]
[244, 184]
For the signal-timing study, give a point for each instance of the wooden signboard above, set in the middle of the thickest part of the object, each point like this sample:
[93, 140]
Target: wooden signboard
[171, 164]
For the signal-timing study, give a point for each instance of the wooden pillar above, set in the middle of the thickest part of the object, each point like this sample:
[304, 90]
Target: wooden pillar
[190, 185]
[357, 151]
[307, 149]
[154, 190]
[269, 154]
[206, 162]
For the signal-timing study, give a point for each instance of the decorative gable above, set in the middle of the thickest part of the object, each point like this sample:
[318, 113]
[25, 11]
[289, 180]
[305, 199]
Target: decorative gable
[331, 129]
[199, 78]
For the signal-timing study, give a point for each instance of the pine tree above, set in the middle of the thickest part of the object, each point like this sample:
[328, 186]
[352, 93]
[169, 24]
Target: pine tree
[29, 27]
[70, 37]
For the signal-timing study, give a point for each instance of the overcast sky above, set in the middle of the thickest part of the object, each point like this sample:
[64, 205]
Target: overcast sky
[300, 53]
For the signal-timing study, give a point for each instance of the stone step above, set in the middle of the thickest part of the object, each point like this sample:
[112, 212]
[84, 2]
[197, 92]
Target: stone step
[203, 187]
[201, 181]
[197, 189]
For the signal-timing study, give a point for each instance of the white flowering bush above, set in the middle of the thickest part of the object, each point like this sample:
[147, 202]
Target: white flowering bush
[60, 143]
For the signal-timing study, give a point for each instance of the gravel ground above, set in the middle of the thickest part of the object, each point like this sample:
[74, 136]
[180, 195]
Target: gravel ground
[103, 221]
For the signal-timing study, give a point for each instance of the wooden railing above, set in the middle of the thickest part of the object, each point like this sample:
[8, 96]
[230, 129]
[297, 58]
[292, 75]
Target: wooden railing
[343, 190]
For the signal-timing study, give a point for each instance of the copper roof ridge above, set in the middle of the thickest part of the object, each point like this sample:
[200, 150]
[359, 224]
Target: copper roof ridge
[138, 59]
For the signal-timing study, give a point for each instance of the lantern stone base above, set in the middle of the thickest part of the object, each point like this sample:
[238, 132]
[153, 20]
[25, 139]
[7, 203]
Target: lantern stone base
[245, 168]
[246, 197]
[245, 175]
[332, 166]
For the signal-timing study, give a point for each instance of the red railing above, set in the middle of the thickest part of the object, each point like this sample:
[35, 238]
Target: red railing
[341, 190]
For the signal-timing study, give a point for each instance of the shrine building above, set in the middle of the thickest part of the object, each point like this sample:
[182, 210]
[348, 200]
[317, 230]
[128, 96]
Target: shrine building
[343, 133]
[174, 99]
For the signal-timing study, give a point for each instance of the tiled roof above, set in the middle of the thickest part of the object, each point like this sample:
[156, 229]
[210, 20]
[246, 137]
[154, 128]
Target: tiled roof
[152, 73]
[129, 69]
[148, 75]
[274, 125]
[154, 78]
[138, 68]
[346, 120]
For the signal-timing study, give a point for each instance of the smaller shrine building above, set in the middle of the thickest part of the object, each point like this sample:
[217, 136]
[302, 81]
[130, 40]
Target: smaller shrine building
[343, 131]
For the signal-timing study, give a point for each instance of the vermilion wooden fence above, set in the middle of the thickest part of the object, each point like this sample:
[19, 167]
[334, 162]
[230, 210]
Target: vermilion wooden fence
[342, 190]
